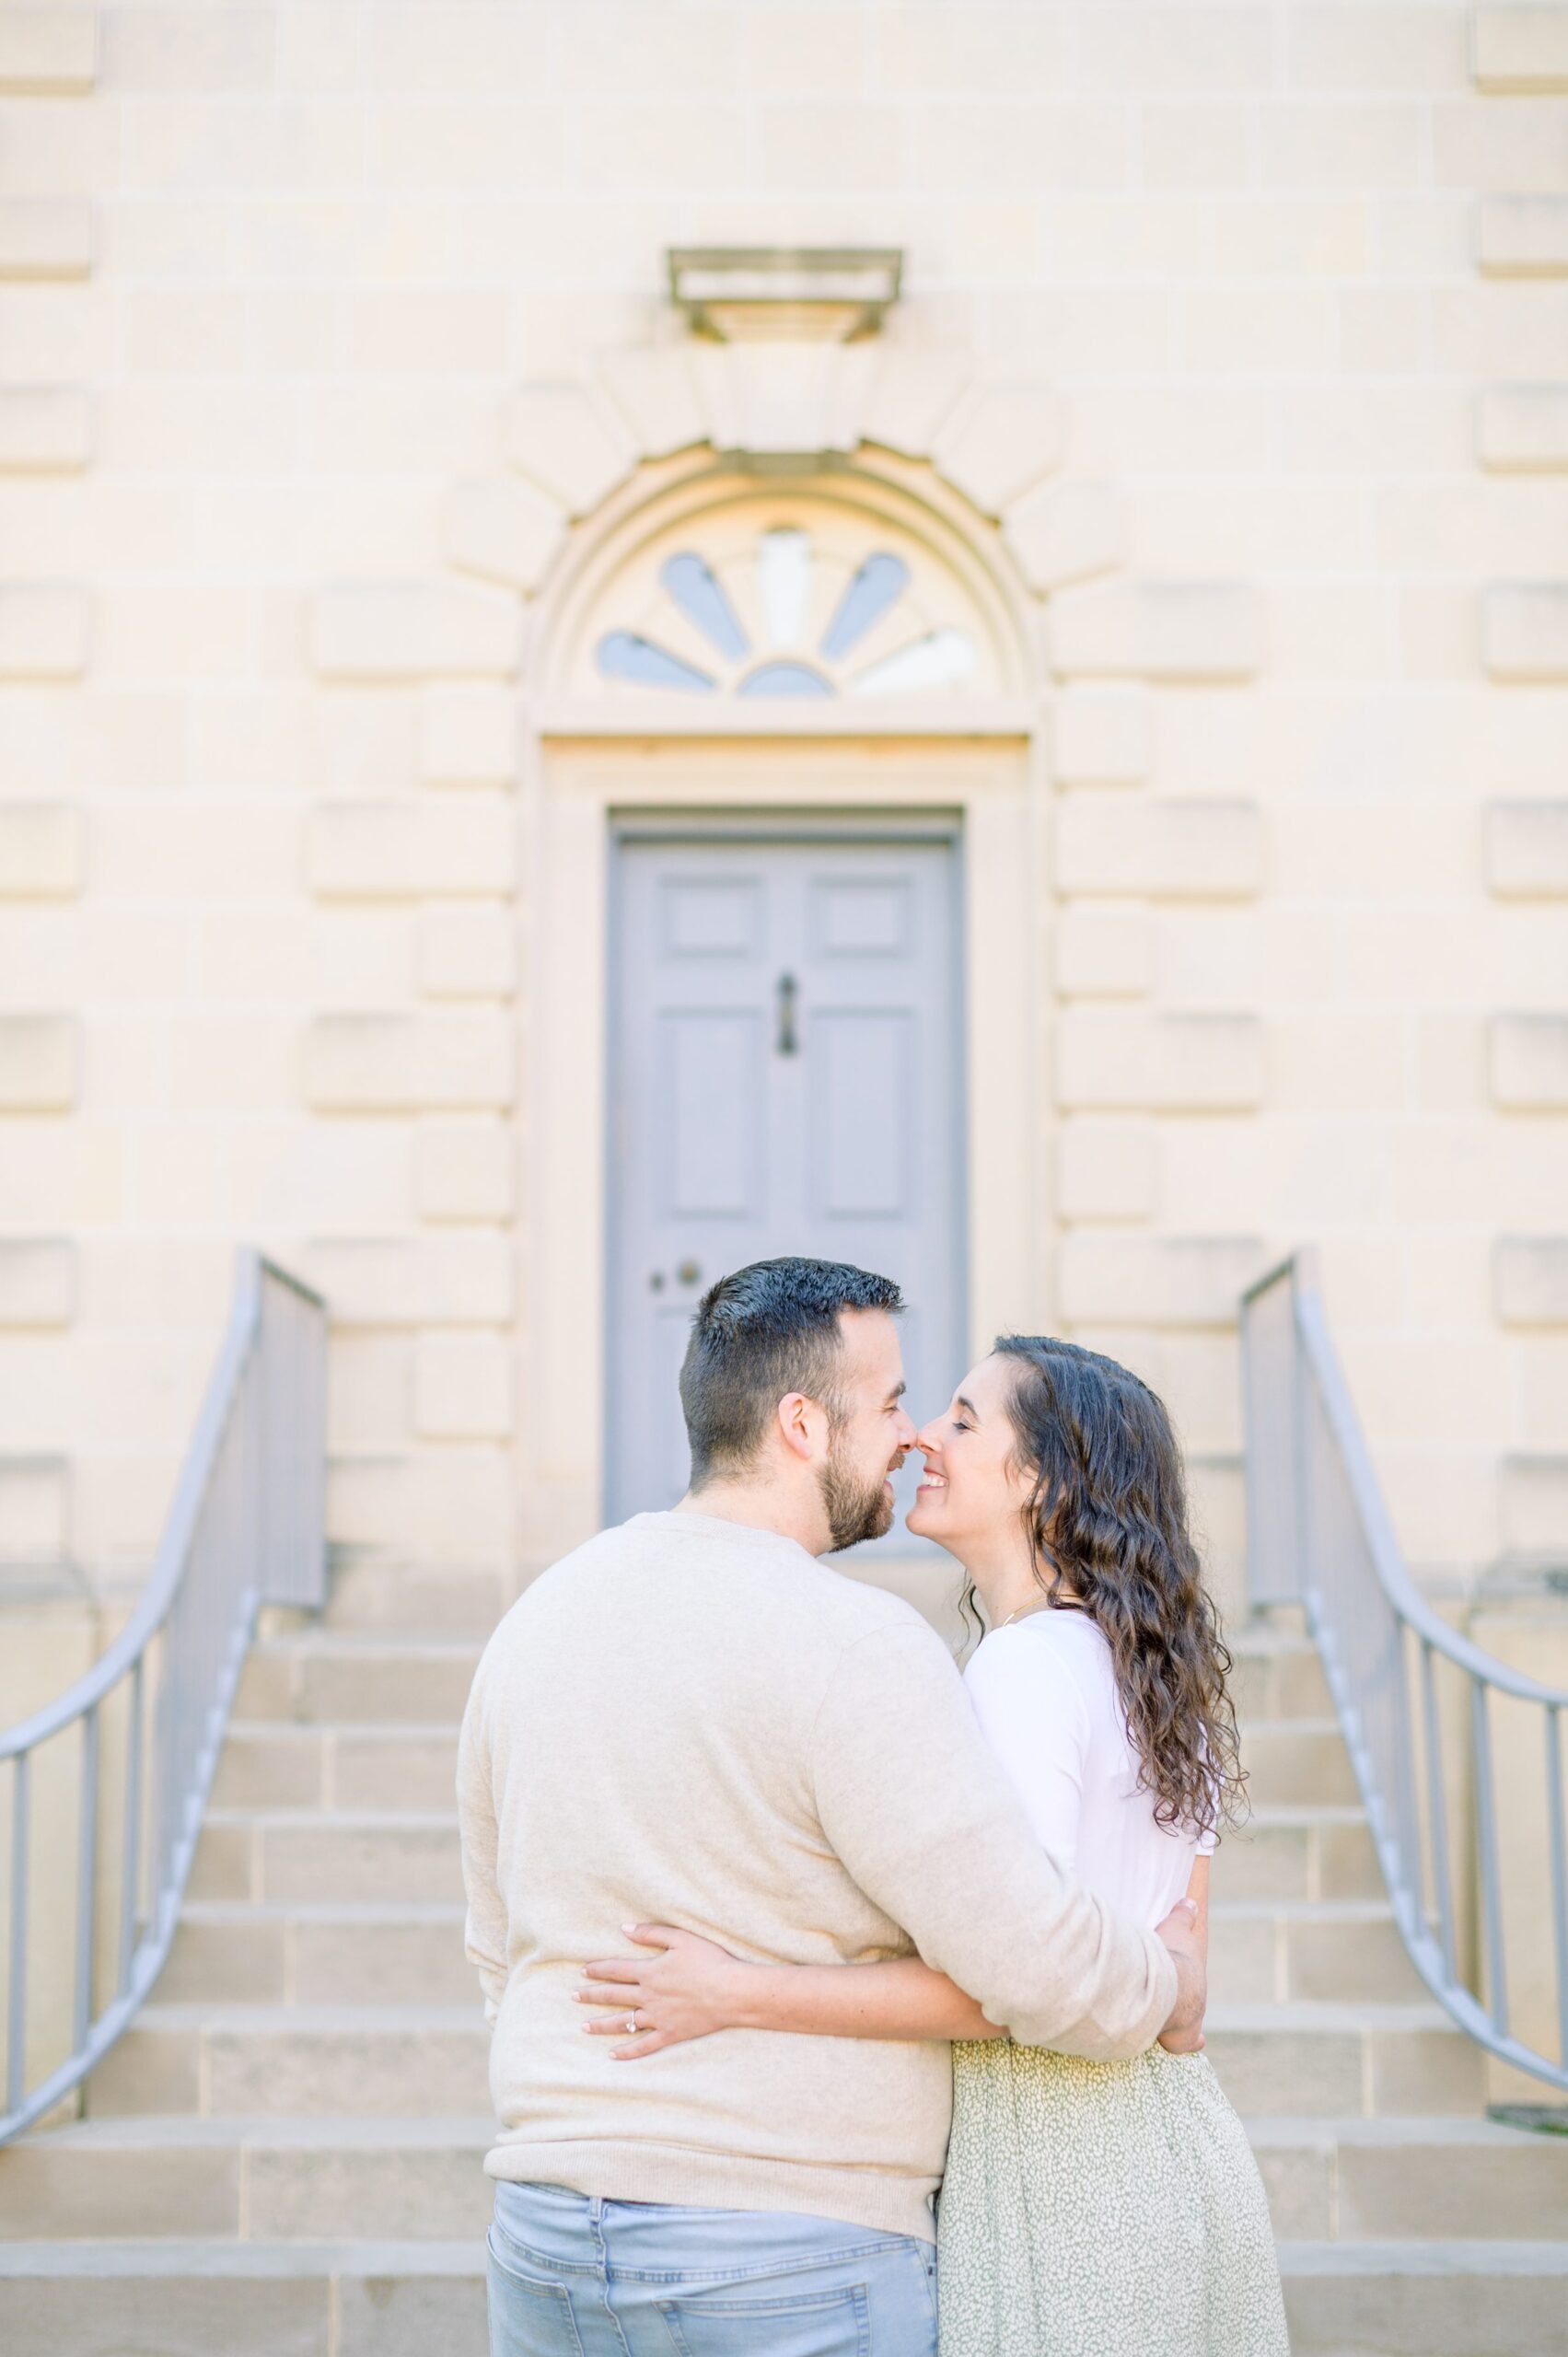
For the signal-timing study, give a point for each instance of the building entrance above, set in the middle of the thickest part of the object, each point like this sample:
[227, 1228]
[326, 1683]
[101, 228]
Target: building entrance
[785, 1077]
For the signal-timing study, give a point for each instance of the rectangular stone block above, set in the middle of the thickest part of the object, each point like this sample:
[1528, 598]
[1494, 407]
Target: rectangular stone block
[999, 444]
[464, 1172]
[912, 394]
[412, 630]
[469, 1280]
[434, 1281]
[503, 530]
[35, 1501]
[468, 736]
[1115, 1057]
[44, 630]
[1156, 1280]
[1106, 1170]
[402, 850]
[1527, 850]
[1068, 532]
[44, 429]
[1168, 850]
[40, 850]
[39, 1061]
[45, 237]
[1524, 631]
[1102, 736]
[653, 390]
[571, 447]
[1103, 953]
[368, 1501]
[1522, 47]
[467, 953]
[1524, 237]
[1523, 429]
[1534, 1502]
[1158, 630]
[48, 49]
[463, 1388]
[388, 1063]
[37, 1281]
[1529, 1280]
[1529, 1056]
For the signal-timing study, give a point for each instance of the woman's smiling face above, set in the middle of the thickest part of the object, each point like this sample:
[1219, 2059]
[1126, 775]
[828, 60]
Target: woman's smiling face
[973, 1481]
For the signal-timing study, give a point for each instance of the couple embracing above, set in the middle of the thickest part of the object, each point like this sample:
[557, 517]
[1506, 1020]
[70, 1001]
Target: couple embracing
[839, 2001]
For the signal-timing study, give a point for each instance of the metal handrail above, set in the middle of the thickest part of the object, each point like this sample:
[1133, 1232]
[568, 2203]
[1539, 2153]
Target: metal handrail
[246, 1527]
[1320, 1536]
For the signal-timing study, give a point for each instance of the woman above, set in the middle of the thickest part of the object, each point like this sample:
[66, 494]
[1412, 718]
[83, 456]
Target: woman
[1088, 2210]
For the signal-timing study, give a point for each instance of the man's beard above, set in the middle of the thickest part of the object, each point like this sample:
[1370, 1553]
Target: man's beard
[856, 1508]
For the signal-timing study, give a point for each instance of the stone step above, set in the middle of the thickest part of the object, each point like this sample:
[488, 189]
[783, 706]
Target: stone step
[324, 1675]
[409, 1599]
[1275, 1673]
[330, 1953]
[284, 1763]
[1350, 1948]
[1329, 2061]
[1297, 1850]
[305, 2061]
[404, 2299]
[355, 1854]
[1437, 2299]
[1360, 2180]
[1296, 1761]
[267, 2180]
[277, 1764]
[278, 2179]
[1301, 2059]
[228, 2299]
[327, 1954]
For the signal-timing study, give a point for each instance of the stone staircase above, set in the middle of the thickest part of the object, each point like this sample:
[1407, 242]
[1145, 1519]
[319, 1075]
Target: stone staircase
[282, 2156]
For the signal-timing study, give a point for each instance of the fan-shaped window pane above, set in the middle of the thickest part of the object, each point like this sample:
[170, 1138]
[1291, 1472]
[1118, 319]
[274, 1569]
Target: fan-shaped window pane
[785, 679]
[879, 581]
[935, 661]
[698, 593]
[784, 580]
[624, 655]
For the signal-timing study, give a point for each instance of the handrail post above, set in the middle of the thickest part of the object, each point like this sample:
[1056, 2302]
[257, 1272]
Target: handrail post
[16, 1988]
[86, 1880]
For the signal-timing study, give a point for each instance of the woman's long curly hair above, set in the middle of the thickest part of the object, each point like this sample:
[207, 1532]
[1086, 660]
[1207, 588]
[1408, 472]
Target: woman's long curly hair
[1107, 1519]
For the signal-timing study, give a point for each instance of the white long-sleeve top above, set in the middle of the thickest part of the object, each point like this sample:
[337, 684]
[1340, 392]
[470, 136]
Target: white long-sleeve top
[1044, 1691]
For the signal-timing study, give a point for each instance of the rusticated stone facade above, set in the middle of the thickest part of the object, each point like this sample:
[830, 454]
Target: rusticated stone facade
[335, 365]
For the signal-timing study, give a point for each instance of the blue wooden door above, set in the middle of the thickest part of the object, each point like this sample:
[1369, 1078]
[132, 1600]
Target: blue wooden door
[785, 1078]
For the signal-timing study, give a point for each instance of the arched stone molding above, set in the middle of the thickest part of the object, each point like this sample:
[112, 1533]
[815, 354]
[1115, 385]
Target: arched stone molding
[582, 456]
[1053, 756]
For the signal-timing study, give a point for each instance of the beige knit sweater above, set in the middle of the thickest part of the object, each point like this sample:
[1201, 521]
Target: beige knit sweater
[694, 1723]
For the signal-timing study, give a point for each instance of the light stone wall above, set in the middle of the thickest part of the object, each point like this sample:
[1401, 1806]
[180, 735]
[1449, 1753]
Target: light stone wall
[288, 289]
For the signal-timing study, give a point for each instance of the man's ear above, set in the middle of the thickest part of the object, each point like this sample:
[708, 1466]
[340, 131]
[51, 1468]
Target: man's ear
[800, 1423]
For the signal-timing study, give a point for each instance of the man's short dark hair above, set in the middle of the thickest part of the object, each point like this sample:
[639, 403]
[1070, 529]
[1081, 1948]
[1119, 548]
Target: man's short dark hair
[759, 1335]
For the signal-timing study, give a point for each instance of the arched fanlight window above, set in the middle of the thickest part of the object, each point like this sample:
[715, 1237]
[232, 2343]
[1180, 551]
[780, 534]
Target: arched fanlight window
[781, 618]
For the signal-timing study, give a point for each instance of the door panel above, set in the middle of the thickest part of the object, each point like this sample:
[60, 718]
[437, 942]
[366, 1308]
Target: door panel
[712, 1060]
[785, 1078]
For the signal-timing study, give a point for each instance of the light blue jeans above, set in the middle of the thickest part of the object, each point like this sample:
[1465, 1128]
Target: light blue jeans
[574, 2277]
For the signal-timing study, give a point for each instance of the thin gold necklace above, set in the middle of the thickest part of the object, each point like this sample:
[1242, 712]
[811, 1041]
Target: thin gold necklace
[1043, 1604]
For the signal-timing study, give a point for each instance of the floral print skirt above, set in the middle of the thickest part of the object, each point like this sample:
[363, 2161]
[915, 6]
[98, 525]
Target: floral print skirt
[1102, 2209]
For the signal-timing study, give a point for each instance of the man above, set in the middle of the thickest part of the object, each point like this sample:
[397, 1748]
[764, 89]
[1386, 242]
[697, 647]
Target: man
[691, 1721]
